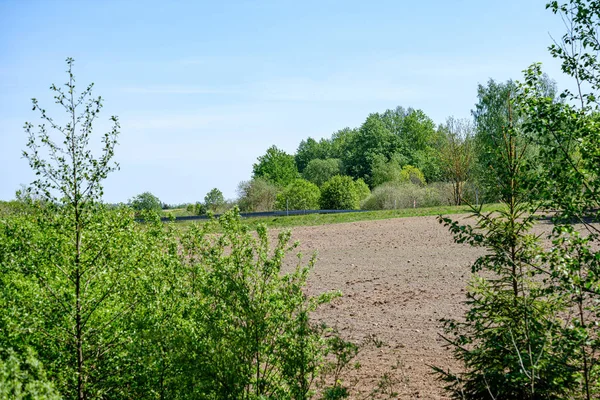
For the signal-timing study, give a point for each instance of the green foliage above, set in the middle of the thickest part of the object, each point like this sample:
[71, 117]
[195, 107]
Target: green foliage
[569, 141]
[362, 189]
[578, 49]
[24, 378]
[319, 171]
[299, 195]
[76, 283]
[341, 141]
[344, 353]
[276, 166]
[396, 137]
[429, 161]
[116, 309]
[13, 207]
[510, 340]
[199, 209]
[491, 116]
[309, 150]
[457, 155]
[411, 174]
[384, 170]
[146, 202]
[391, 171]
[414, 128]
[257, 195]
[339, 193]
[418, 139]
[373, 140]
[568, 134]
[214, 200]
[240, 327]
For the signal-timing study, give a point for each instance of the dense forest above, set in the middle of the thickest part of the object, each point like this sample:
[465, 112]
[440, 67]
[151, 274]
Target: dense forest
[97, 305]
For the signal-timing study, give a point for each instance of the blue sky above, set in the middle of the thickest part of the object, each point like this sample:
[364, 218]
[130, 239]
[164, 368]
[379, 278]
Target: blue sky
[202, 88]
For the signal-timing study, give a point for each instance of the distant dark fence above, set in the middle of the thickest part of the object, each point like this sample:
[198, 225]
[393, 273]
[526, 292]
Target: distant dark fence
[265, 214]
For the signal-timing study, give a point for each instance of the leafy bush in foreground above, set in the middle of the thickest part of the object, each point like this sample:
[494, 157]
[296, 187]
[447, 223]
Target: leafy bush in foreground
[242, 328]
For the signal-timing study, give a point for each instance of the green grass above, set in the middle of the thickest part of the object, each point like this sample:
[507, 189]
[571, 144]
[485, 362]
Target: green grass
[177, 212]
[325, 219]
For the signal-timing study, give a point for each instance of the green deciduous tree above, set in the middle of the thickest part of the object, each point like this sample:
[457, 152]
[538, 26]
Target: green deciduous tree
[146, 202]
[373, 140]
[491, 118]
[457, 155]
[76, 281]
[214, 200]
[341, 142]
[403, 136]
[384, 170]
[257, 195]
[276, 166]
[309, 150]
[319, 171]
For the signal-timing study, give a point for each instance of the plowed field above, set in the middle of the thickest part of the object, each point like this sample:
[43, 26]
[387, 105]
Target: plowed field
[399, 277]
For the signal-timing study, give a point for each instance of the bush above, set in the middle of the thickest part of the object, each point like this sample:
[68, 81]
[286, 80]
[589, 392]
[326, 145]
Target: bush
[396, 195]
[362, 189]
[244, 329]
[299, 195]
[257, 195]
[200, 209]
[339, 193]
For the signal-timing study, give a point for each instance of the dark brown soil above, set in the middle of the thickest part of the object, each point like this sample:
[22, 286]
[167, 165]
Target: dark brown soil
[398, 277]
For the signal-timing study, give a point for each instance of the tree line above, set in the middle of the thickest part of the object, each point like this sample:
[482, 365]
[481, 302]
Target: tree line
[395, 159]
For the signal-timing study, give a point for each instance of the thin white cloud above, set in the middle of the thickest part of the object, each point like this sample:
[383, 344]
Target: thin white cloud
[382, 77]
[170, 122]
[332, 90]
[177, 90]
[294, 89]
